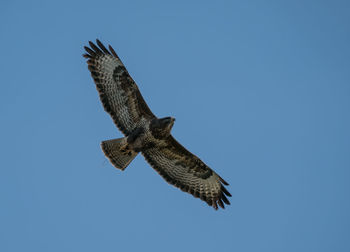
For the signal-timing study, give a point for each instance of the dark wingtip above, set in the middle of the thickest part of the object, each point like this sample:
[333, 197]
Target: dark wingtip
[91, 44]
[112, 51]
[94, 47]
[104, 49]
[89, 51]
[223, 181]
[224, 190]
[221, 204]
[223, 197]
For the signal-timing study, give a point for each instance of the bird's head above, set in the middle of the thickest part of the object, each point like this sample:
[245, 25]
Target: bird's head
[161, 127]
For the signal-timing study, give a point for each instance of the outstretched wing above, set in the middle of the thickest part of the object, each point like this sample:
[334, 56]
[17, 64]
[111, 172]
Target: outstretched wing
[184, 170]
[118, 92]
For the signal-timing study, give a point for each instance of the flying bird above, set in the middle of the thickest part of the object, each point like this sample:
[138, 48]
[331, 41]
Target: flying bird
[145, 133]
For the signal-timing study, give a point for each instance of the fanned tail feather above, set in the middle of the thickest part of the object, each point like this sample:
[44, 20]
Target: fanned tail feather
[112, 150]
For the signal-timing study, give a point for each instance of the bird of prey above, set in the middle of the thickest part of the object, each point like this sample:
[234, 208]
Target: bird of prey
[145, 133]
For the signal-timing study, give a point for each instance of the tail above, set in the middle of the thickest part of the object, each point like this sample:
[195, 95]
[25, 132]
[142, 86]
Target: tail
[115, 151]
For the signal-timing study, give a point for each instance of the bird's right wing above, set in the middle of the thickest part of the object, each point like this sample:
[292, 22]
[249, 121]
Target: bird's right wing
[118, 92]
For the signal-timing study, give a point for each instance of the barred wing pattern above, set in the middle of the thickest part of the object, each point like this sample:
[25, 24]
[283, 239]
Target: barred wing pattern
[118, 92]
[184, 170]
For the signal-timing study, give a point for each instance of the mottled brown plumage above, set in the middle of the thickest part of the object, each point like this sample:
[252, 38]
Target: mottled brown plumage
[147, 134]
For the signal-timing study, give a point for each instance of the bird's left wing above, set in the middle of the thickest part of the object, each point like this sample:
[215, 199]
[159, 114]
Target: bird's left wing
[186, 171]
[118, 92]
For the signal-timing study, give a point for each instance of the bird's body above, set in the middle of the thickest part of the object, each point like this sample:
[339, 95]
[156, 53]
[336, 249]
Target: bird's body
[147, 134]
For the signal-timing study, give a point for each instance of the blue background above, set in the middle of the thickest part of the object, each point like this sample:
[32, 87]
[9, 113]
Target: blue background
[260, 91]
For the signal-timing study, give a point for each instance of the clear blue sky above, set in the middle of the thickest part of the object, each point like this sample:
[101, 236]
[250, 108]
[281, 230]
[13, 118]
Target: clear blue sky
[260, 91]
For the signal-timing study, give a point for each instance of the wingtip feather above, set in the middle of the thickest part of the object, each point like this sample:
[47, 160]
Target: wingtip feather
[221, 204]
[224, 190]
[223, 197]
[223, 181]
[112, 51]
[104, 49]
[94, 47]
